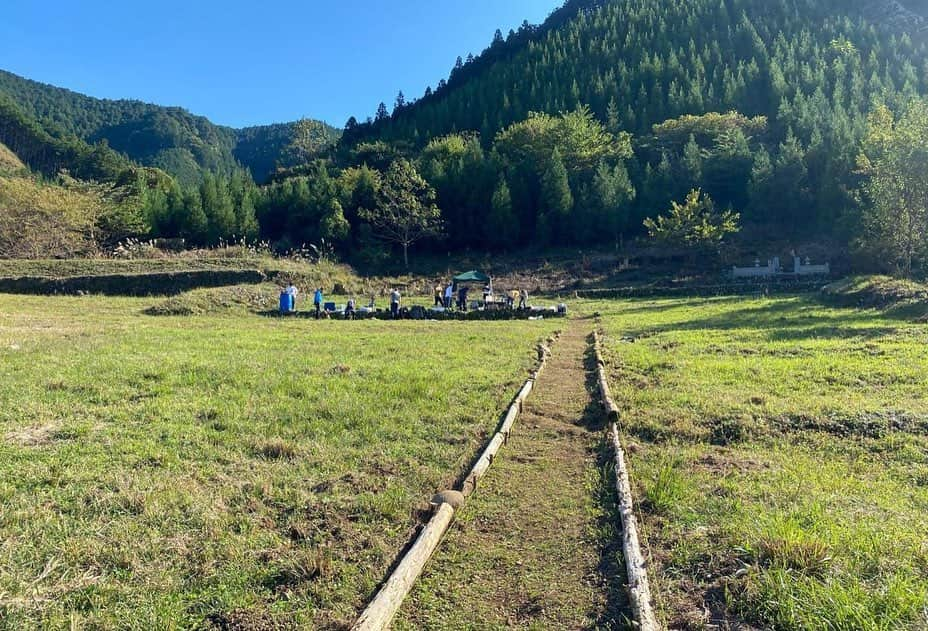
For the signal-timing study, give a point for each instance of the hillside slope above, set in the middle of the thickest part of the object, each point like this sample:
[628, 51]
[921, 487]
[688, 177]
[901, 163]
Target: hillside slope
[169, 138]
[908, 15]
[8, 160]
[652, 60]
[761, 104]
[48, 150]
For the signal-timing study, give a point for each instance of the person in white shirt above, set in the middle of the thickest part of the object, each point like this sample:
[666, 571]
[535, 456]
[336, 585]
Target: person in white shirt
[292, 291]
[395, 303]
[449, 295]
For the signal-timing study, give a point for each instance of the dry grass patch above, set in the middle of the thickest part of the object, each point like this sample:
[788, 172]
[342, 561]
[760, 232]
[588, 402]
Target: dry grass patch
[276, 449]
[34, 436]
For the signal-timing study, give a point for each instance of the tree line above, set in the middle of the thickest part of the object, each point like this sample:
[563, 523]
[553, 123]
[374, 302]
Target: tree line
[577, 131]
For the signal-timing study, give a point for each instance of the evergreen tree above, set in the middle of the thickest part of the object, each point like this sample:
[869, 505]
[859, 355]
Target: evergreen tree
[613, 118]
[557, 200]
[692, 161]
[502, 229]
[219, 210]
[612, 194]
[246, 221]
[195, 224]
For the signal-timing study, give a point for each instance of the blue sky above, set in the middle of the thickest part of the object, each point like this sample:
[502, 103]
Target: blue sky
[246, 63]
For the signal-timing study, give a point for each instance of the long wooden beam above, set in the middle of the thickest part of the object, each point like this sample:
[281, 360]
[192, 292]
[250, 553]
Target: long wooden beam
[636, 567]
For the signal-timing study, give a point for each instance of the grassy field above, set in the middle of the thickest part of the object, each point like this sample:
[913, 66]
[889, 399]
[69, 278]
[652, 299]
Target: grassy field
[226, 470]
[780, 453]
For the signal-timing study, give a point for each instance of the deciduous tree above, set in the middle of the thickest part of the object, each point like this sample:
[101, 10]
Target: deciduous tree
[895, 162]
[406, 212]
[694, 225]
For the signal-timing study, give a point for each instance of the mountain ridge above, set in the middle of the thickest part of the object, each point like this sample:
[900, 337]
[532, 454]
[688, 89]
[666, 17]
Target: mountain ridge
[167, 137]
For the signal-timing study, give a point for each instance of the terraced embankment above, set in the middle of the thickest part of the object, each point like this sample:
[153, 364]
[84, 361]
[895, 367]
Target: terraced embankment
[537, 544]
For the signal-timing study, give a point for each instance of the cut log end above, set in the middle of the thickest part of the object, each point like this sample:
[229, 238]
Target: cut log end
[455, 499]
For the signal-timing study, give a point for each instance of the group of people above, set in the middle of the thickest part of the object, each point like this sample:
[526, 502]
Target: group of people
[319, 311]
[318, 299]
[444, 296]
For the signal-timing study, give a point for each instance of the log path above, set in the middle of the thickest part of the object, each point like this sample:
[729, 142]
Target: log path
[538, 545]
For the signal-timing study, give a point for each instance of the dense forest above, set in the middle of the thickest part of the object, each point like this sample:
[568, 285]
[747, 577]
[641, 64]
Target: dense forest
[573, 132]
[804, 73]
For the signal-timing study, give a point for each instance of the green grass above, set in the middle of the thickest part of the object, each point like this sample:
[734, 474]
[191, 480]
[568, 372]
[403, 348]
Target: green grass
[176, 472]
[779, 450]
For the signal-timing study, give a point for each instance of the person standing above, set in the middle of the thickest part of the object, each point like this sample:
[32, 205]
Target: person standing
[350, 309]
[317, 302]
[395, 304]
[449, 295]
[523, 299]
[462, 298]
[439, 300]
[292, 291]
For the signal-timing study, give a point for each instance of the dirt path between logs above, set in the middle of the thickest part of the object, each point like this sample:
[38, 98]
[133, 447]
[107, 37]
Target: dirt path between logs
[538, 545]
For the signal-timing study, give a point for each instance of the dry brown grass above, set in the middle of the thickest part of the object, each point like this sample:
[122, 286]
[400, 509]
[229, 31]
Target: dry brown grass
[34, 436]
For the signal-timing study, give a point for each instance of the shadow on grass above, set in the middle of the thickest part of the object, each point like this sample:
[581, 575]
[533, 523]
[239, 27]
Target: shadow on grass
[645, 306]
[782, 320]
[617, 614]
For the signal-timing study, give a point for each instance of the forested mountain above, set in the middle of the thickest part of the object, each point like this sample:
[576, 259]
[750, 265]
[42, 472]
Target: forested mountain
[764, 104]
[264, 149]
[169, 138]
[658, 59]
[48, 150]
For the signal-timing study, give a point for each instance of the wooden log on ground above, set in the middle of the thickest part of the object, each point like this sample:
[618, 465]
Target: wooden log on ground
[638, 588]
[380, 612]
[482, 466]
[612, 410]
[511, 416]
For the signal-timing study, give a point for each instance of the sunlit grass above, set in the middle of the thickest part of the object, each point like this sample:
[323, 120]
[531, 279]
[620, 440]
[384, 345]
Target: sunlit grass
[164, 472]
[780, 451]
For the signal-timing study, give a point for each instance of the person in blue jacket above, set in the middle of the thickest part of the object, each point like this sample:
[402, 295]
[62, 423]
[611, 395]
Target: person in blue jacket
[317, 302]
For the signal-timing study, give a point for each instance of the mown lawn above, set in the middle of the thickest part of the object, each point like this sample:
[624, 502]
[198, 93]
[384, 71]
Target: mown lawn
[780, 453]
[228, 470]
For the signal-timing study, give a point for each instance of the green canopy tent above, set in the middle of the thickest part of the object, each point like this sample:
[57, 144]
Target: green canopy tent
[472, 277]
